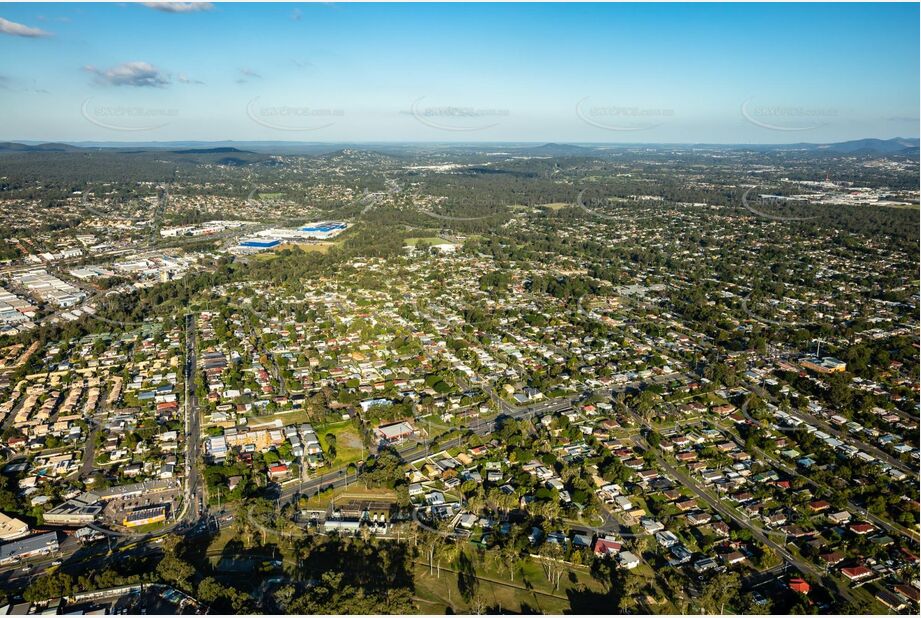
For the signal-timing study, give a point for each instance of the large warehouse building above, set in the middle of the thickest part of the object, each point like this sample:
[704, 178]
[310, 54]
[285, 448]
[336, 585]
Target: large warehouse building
[261, 243]
[273, 237]
[322, 230]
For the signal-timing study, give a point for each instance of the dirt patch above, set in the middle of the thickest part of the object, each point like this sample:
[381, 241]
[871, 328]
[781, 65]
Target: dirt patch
[350, 440]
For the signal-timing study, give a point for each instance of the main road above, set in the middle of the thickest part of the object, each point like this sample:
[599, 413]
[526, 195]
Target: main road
[194, 506]
[193, 509]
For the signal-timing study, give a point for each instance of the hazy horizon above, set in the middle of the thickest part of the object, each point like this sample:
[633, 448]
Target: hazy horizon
[34, 142]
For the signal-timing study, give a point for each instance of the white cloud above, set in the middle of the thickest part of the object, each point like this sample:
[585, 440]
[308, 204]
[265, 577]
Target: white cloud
[182, 78]
[139, 74]
[14, 29]
[179, 7]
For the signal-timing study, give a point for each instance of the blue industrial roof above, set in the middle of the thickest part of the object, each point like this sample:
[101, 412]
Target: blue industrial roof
[261, 243]
[323, 227]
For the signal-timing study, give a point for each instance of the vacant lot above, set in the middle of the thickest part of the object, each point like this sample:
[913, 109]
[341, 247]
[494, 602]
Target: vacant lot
[429, 240]
[311, 247]
[348, 442]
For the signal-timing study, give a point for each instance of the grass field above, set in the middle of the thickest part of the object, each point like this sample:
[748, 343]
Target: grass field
[479, 586]
[355, 492]
[348, 441]
[431, 240]
[220, 541]
[313, 247]
[436, 595]
[529, 593]
[264, 257]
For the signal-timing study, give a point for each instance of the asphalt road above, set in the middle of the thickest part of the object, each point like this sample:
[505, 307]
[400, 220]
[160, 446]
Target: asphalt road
[194, 494]
[193, 508]
[87, 466]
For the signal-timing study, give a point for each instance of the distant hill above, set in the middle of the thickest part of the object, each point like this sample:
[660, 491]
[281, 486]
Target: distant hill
[244, 151]
[16, 147]
[264, 147]
[896, 145]
[223, 150]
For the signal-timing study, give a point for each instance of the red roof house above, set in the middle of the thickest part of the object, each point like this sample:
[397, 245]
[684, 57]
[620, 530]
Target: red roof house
[606, 547]
[278, 471]
[798, 584]
[856, 572]
[862, 528]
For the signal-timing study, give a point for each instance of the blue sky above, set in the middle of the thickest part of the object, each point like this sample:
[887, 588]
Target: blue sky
[746, 73]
